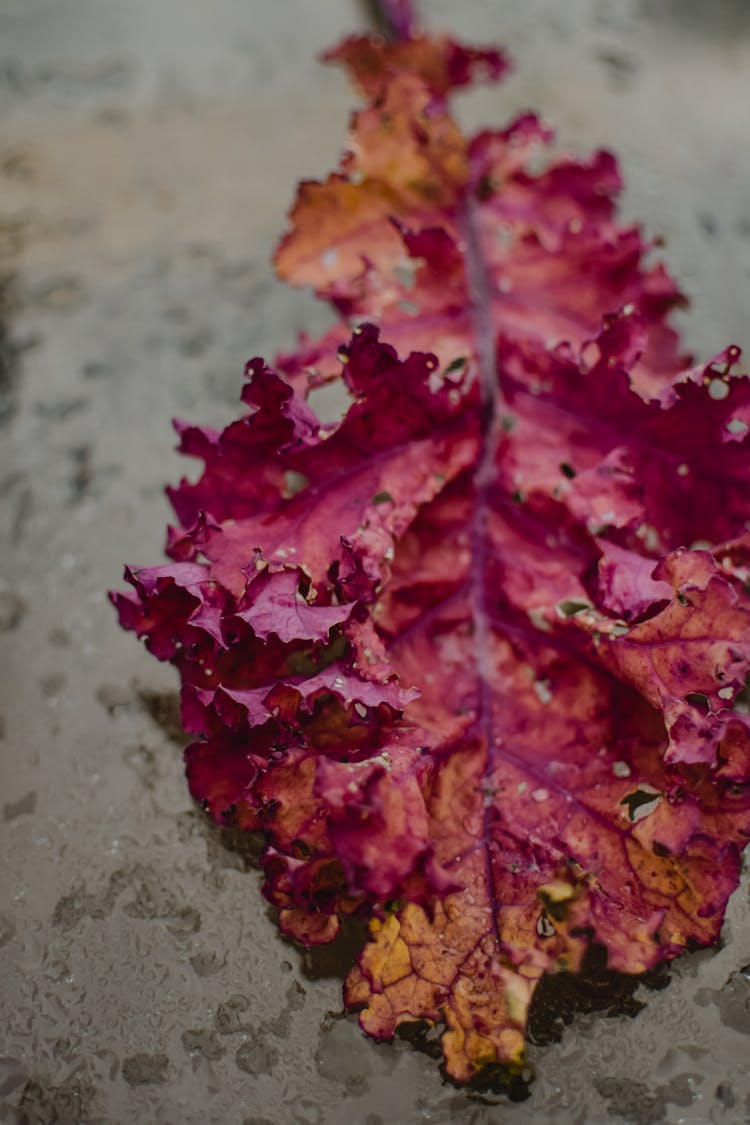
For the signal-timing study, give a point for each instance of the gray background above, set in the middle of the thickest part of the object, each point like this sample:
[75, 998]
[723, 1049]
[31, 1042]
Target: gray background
[148, 153]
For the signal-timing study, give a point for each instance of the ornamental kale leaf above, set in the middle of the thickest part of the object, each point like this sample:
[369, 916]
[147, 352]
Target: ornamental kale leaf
[472, 658]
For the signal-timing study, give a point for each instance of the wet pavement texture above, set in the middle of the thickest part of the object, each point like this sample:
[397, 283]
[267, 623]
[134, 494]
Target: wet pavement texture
[149, 150]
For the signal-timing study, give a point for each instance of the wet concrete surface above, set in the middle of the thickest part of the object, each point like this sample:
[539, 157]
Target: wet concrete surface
[148, 153]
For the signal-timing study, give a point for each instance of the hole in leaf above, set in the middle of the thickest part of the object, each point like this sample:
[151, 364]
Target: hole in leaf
[294, 482]
[406, 271]
[571, 608]
[544, 694]
[330, 402]
[567, 470]
[698, 700]
[641, 802]
[544, 927]
[409, 307]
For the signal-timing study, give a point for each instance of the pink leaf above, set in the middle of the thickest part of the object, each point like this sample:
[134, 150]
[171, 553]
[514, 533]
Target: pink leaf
[474, 658]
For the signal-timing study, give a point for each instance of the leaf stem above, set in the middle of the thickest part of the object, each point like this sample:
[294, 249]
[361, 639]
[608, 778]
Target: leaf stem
[396, 19]
[489, 411]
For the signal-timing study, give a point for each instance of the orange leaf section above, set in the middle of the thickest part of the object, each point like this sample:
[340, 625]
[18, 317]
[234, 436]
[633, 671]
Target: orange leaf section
[439, 62]
[406, 159]
[385, 237]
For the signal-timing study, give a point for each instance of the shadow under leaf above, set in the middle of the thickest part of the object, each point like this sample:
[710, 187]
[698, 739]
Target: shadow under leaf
[335, 959]
[560, 997]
